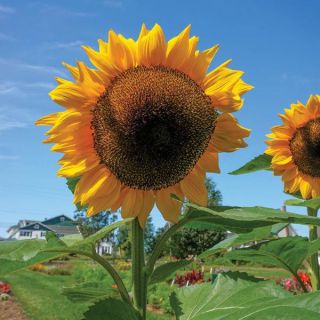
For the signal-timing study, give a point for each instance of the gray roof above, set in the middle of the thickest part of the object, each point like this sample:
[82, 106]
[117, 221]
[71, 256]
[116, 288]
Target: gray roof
[65, 230]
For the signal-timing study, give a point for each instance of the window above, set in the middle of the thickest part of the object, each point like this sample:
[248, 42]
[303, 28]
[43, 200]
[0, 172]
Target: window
[43, 234]
[62, 219]
[25, 233]
[36, 226]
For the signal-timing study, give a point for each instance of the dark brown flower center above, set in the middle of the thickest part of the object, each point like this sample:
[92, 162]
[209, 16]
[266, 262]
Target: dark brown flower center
[305, 148]
[151, 126]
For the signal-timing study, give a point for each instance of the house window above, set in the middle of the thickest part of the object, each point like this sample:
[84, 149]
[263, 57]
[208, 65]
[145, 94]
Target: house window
[25, 233]
[36, 226]
[43, 234]
[62, 219]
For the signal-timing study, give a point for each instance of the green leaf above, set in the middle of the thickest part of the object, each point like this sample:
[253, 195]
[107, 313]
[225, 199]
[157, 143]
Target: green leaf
[176, 305]
[257, 234]
[112, 309]
[314, 247]
[72, 182]
[88, 292]
[236, 296]
[312, 203]
[262, 162]
[244, 219]
[86, 244]
[27, 253]
[164, 271]
[286, 253]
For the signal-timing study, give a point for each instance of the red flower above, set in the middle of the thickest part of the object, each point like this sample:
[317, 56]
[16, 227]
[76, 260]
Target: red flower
[4, 287]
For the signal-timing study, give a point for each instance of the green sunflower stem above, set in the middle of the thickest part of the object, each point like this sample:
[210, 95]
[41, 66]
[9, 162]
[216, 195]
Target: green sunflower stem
[314, 262]
[138, 269]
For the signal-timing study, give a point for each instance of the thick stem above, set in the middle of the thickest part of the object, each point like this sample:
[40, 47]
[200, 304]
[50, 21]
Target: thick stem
[138, 269]
[313, 235]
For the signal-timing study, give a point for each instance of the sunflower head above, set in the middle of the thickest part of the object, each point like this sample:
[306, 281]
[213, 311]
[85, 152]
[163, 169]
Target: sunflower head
[147, 121]
[295, 148]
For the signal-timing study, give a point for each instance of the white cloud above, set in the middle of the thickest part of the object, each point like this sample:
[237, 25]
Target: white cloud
[4, 36]
[7, 88]
[7, 124]
[113, 3]
[5, 9]
[24, 88]
[46, 8]
[33, 67]
[8, 157]
[65, 45]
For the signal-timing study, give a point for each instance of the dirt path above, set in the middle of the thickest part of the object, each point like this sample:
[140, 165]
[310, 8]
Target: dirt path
[11, 310]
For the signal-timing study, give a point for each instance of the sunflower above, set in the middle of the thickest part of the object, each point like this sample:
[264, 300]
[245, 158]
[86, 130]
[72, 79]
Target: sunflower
[146, 122]
[295, 148]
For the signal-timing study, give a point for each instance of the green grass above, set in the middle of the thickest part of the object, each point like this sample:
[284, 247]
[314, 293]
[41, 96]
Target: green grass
[40, 294]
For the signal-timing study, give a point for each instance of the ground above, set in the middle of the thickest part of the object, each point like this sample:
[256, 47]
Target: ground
[11, 310]
[38, 295]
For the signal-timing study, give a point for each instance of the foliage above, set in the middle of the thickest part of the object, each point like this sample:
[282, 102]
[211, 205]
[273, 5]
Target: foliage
[193, 242]
[286, 253]
[164, 271]
[261, 162]
[236, 296]
[89, 226]
[116, 310]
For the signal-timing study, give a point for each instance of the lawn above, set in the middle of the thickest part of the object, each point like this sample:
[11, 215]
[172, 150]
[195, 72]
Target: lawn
[40, 294]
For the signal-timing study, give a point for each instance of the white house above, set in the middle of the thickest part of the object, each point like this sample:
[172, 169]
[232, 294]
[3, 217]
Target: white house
[104, 247]
[62, 225]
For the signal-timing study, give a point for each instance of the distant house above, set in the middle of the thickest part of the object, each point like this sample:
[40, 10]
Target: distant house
[61, 225]
[104, 247]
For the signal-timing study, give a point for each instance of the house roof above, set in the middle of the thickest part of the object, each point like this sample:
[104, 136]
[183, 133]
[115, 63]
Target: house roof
[60, 224]
[33, 226]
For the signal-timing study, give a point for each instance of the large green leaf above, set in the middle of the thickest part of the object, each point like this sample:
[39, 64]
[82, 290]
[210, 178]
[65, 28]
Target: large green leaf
[257, 234]
[164, 271]
[87, 243]
[312, 203]
[244, 219]
[112, 309]
[236, 296]
[287, 253]
[261, 162]
[88, 292]
[27, 253]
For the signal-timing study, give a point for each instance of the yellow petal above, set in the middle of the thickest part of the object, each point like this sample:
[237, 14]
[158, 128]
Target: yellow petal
[169, 208]
[148, 203]
[193, 186]
[152, 47]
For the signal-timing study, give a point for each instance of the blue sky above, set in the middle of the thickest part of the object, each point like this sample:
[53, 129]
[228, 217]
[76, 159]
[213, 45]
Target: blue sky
[276, 43]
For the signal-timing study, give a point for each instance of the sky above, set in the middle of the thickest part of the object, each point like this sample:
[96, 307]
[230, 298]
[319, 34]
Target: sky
[275, 42]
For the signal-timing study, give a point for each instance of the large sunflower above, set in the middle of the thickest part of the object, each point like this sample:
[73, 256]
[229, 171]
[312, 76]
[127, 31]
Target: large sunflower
[148, 121]
[295, 148]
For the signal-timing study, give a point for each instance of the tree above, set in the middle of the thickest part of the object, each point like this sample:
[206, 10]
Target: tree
[124, 243]
[149, 235]
[88, 226]
[193, 241]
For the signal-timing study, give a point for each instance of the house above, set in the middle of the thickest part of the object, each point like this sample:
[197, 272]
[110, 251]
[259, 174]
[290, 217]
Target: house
[62, 225]
[104, 247]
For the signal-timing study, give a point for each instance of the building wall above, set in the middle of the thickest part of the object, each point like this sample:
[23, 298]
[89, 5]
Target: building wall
[33, 234]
